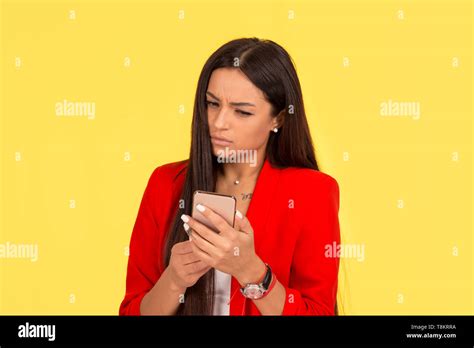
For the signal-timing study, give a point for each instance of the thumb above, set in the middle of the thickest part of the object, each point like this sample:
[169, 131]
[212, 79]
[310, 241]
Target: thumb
[242, 224]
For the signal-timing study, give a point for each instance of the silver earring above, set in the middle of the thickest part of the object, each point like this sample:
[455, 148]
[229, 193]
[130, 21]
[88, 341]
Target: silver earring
[275, 130]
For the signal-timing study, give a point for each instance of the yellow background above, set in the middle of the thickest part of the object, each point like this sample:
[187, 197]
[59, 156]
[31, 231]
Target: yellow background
[350, 56]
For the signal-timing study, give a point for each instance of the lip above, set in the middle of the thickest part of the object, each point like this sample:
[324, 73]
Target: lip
[220, 141]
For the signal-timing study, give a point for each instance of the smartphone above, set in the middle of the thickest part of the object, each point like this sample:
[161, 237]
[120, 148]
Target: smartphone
[224, 205]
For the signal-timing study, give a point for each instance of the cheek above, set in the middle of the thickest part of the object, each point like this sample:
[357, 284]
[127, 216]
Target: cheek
[251, 134]
[211, 115]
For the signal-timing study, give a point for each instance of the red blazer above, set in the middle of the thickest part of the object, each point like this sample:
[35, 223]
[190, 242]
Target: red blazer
[294, 215]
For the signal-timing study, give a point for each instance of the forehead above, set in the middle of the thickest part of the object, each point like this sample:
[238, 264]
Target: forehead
[233, 86]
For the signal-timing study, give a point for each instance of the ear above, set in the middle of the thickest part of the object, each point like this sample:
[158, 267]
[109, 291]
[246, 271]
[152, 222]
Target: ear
[279, 119]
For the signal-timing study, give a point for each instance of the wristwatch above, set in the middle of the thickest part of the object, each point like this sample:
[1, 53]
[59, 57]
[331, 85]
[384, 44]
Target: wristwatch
[256, 291]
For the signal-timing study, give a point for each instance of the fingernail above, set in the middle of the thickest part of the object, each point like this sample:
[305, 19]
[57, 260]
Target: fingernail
[186, 227]
[185, 218]
[239, 214]
[200, 207]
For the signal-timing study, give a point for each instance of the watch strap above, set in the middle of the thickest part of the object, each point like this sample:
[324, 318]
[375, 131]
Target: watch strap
[272, 284]
[267, 278]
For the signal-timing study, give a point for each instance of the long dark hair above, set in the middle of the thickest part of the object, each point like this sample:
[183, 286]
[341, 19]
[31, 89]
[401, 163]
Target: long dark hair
[270, 68]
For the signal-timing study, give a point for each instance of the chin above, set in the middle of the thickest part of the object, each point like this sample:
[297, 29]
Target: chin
[217, 149]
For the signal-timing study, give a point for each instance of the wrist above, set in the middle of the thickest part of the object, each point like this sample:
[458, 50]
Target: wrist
[172, 285]
[253, 274]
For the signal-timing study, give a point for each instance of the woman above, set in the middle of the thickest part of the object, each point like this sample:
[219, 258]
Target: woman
[248, 99]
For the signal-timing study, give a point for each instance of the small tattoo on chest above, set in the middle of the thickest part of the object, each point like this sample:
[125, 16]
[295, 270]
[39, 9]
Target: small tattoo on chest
[246, 196]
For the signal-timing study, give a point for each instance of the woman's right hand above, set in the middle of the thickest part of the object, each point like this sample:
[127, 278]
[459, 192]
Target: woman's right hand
[185, 268]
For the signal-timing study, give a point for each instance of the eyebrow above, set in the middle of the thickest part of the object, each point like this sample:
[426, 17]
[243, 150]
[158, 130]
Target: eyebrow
[232, 103]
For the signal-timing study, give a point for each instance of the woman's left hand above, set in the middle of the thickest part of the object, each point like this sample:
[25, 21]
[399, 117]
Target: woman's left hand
[232, 250]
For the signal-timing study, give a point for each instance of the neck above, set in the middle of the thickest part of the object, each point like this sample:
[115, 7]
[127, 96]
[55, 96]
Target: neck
[242, 171]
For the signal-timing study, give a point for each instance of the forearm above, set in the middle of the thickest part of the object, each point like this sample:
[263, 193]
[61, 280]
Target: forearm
[273, 302]
[163, 299]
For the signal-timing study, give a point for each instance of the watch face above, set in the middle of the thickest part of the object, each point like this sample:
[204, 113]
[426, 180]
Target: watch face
[253, 291]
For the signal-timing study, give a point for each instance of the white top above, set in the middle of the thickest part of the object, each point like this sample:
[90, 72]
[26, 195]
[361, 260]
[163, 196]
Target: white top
[222, 283]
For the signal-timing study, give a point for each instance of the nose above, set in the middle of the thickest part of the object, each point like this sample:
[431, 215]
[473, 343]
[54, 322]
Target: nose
[221, 120]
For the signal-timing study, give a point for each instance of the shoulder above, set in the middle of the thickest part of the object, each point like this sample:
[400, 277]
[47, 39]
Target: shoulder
[308, 179]
[169, 172]
[314, 191]
[165, 177]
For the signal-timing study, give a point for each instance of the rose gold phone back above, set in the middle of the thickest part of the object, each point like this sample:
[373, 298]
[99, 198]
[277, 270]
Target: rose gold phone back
[221, 204]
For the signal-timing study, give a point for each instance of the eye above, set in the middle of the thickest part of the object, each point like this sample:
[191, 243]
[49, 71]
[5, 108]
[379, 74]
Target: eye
[244, 112]
[213, 104]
